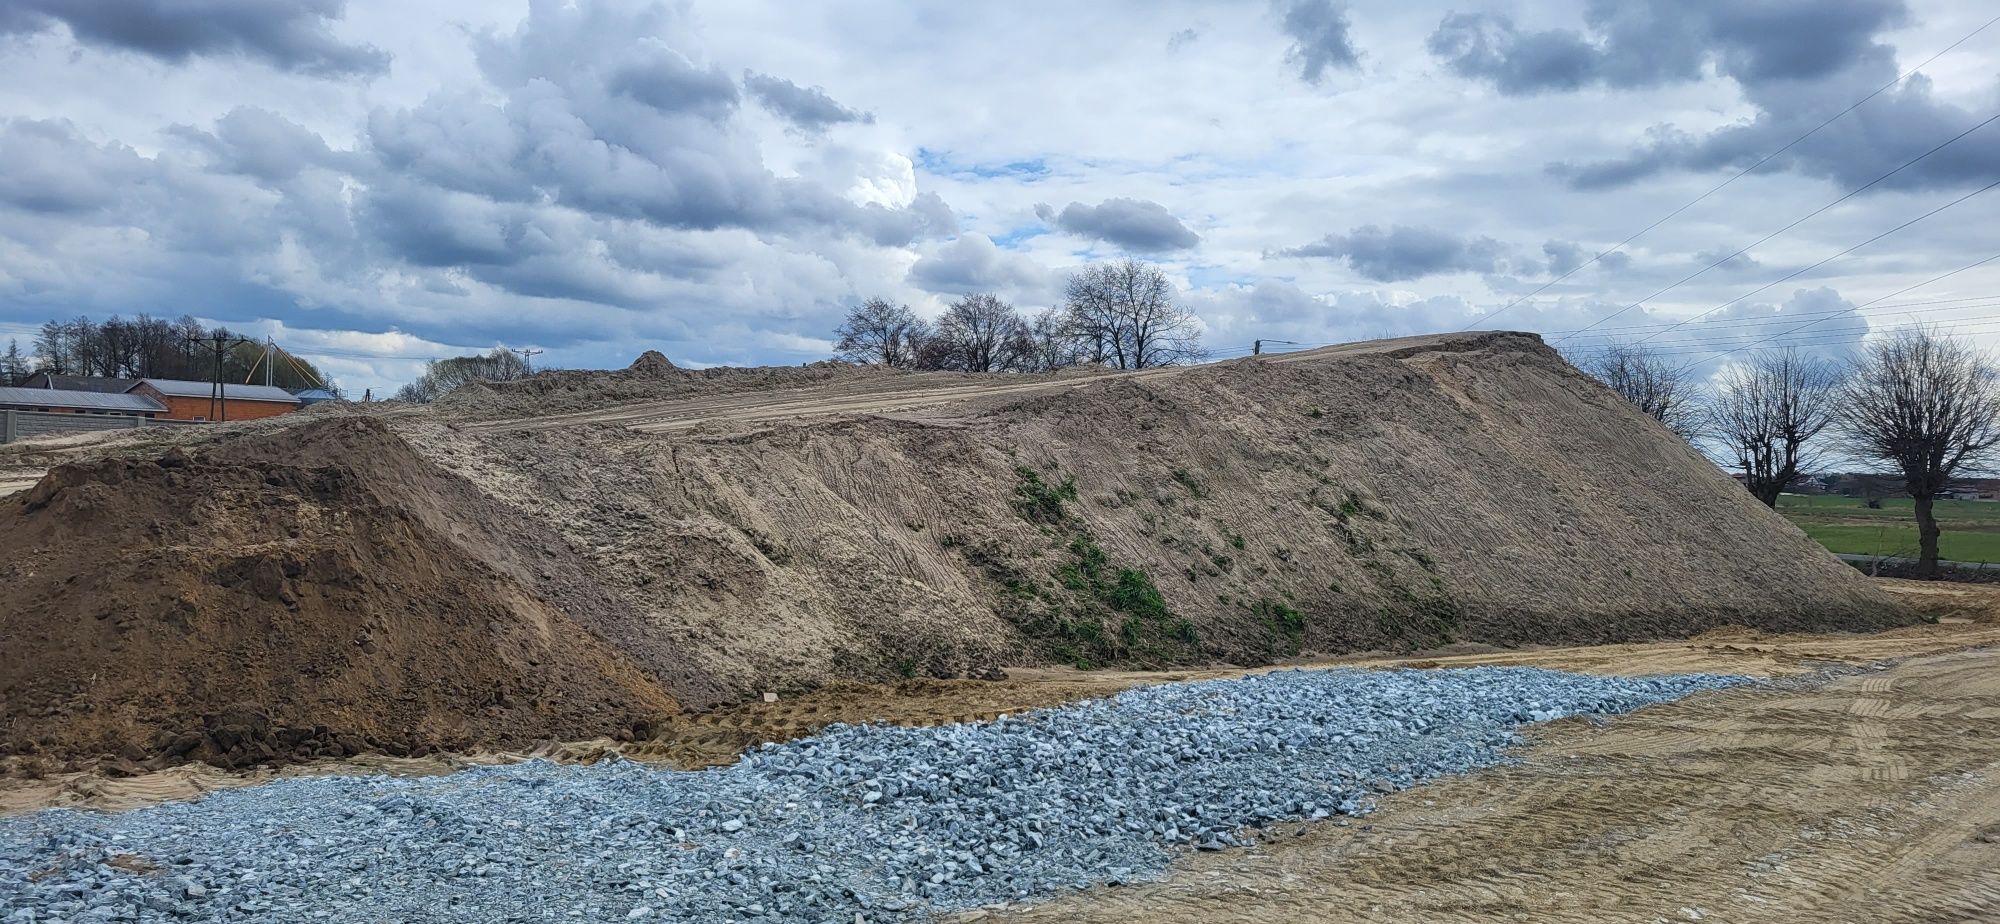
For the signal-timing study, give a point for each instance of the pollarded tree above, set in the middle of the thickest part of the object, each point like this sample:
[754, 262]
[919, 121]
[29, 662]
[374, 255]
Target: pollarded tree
[1930, 405]
[1769, 413]
[879, 331]
[1654, 384]
[1125, 314]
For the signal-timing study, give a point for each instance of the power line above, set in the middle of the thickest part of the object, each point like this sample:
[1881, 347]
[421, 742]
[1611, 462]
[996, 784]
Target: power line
[1802, 271]
[357, 354]
[1710, 337]
[1813, 323]
[1919, 285]
[1802, 219]
[1714, 346]
[1943, 305]
[1971, 324]
[1732, 325]
[1739, 175]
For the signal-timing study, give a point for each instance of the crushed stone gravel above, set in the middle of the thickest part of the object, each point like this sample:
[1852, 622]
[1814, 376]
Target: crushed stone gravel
[860, 823]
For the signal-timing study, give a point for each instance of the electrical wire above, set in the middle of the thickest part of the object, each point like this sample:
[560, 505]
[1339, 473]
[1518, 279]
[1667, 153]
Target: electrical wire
[1737, 176]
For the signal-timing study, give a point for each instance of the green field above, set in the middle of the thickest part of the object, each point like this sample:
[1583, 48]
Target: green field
[1971, 529]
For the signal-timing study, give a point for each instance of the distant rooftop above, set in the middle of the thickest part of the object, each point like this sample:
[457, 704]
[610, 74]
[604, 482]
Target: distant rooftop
[79, 383]
[81, 400]
[184, 389]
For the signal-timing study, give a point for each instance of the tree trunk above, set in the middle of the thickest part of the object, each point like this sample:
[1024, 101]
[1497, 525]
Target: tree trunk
[1768, 493]
[1927, 537]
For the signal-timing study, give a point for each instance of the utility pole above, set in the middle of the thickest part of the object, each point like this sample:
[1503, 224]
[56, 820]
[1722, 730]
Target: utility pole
[218, 397]
[528, 358]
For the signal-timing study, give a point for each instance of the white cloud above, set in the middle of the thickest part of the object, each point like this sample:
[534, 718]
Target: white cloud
[721, 179]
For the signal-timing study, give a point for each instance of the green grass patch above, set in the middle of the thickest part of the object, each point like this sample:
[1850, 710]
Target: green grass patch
[1039, 501]
[1970, 530]
[1193, 485]
[1284, 626]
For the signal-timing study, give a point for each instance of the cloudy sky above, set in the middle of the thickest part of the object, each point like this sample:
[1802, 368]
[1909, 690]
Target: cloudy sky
[377, 182]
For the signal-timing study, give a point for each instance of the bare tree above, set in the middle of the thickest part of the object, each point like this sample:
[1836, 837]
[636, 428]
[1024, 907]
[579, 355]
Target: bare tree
[1930, 405]
[442, 375]
[1653, 384]
[1768, 413]
[978, 333]
[1125, 314]
[1048, 343]
[881, 332]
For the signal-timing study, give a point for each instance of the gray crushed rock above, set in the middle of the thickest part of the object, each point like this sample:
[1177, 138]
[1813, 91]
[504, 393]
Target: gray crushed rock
[860, 823]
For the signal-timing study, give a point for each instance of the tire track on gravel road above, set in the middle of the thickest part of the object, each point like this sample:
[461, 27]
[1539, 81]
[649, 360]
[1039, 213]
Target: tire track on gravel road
[1872, 797]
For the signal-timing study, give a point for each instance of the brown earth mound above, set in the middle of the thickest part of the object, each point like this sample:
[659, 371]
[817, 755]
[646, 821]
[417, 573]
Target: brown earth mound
[1391, 496]
[283, 598]
[453, 575]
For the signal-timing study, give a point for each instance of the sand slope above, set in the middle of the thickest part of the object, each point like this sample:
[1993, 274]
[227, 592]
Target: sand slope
[1401, 494]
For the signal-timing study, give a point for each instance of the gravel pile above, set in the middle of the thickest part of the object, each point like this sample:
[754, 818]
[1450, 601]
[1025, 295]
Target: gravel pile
[870, 823]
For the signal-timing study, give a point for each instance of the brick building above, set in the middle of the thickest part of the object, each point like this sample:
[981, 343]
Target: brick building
[196, 400]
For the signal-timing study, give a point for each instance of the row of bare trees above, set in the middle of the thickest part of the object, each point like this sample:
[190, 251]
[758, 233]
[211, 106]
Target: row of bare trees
[1122, 315]
[146, 347]
[1923, 402]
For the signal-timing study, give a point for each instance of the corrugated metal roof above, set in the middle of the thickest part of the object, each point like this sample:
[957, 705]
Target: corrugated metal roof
[79, 383]
[88, 400]
[234, 392]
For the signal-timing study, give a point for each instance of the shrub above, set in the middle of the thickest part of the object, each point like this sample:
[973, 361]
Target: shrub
[1282, 623]
[1135, 593]
[1038, 501]
[1194, 487]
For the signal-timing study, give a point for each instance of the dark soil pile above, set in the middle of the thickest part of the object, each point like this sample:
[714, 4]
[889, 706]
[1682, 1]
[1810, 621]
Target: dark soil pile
[294, 596]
